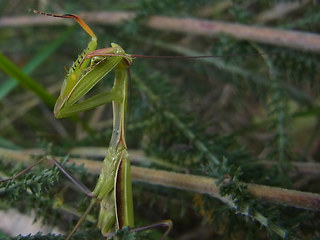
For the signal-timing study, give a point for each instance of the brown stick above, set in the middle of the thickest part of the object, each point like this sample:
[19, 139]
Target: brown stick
[280, 10]
[308, 168]
[290, 39]
[199, 184]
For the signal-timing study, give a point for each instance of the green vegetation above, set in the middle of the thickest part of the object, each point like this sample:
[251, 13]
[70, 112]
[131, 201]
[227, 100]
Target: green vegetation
[244, 120]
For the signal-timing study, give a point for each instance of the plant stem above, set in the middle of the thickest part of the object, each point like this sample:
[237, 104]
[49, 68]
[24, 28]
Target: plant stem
[193, 183]
[290, 39]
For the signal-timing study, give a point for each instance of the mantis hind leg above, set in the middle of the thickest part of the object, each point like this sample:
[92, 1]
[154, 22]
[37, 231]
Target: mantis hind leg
[22, 172]
[165, 223]
[82, 187]
[83, 217]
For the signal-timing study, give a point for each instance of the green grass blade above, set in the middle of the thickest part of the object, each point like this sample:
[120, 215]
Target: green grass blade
[7, 86]
[11, 83]
[11, 69]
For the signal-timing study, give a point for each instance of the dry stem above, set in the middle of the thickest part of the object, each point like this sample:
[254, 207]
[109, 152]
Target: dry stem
[198, 184]
[290, 39]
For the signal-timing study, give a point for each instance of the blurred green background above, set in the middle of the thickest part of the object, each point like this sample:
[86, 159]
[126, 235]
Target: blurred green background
[257, 114]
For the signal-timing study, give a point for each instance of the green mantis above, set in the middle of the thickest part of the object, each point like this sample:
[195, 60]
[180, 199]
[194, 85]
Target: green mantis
[113, 189]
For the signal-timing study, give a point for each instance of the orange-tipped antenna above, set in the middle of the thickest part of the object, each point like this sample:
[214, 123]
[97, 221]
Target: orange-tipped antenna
[73, 16]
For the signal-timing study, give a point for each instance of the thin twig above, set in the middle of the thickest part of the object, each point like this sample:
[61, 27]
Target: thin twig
[290, 39]
[280, 10]
[193, 183]
[309, 168]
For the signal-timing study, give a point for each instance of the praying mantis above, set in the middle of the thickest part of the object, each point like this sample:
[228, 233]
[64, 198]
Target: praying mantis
[113, 189]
